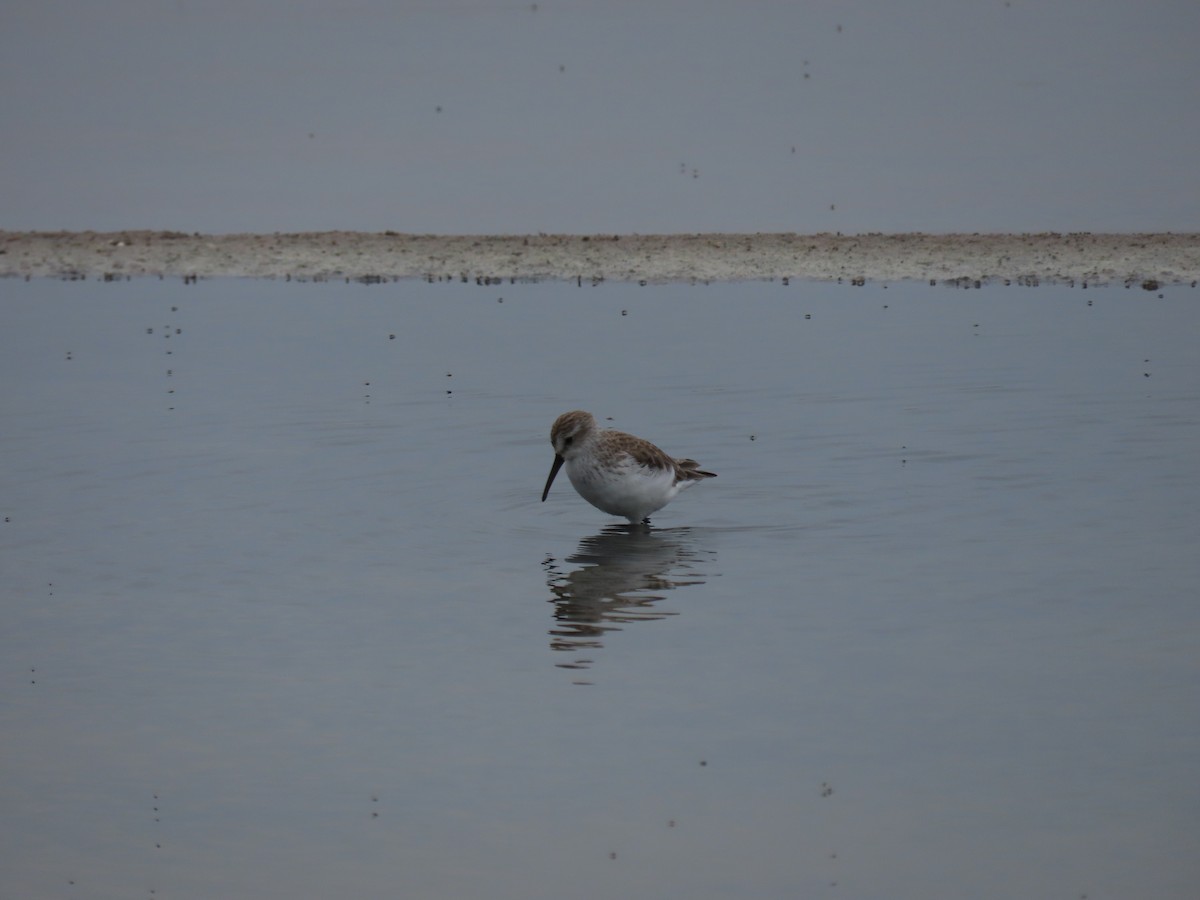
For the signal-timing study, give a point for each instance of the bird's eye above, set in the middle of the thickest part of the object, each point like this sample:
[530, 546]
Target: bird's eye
[567, 441]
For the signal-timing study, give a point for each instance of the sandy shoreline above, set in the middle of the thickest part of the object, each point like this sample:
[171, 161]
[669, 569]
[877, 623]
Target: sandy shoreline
[1131, 259]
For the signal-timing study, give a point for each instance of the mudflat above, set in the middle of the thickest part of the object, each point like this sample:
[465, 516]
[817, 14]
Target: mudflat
[1146, 260]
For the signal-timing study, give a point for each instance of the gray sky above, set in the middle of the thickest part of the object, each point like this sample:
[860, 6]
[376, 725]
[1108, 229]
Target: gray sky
[575, 116]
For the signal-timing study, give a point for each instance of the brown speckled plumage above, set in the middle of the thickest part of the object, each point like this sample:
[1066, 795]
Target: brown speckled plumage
[619, 473]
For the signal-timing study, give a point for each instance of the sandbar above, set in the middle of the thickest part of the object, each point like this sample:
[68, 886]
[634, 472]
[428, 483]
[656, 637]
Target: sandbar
[1144, 260]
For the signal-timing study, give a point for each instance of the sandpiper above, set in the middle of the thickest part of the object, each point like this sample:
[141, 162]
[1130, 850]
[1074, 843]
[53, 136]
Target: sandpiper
[618, 473]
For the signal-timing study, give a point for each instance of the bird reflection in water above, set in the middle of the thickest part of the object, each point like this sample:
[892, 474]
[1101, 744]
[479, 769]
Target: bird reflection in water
[617, 577]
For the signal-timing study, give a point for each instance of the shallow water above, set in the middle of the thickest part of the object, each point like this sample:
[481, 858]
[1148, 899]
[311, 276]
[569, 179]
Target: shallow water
[282, 614]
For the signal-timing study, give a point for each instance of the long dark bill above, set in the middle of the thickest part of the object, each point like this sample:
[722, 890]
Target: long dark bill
[558, 461]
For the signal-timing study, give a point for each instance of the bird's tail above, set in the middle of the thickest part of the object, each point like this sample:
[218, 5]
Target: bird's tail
[689, 470]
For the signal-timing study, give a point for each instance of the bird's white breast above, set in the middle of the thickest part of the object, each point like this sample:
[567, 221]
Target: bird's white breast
[624, 488]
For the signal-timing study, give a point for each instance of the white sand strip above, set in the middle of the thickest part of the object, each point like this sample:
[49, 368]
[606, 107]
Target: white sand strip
[1132, 259]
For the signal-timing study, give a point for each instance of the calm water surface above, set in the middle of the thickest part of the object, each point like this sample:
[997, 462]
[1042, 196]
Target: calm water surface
[281, 614]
